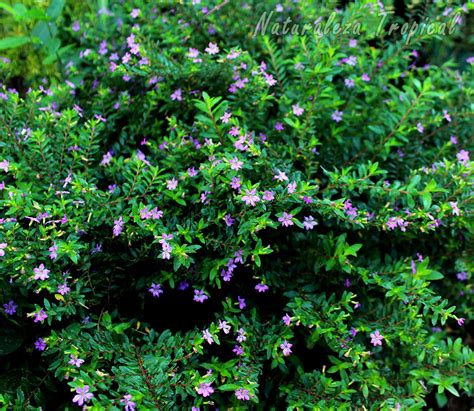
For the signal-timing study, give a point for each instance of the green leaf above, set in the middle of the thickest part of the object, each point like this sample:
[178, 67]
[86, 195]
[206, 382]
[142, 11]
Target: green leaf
[9, 341]
[7, 8]
[228, 387]
[14, 42]
[434, 275]
[452, 390]
[365, 391]
[352, 250]
[426, 200]
[441, 399]
[55, 9]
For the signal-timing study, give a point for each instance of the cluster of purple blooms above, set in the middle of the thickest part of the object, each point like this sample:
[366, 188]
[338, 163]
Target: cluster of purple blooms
[231, 265]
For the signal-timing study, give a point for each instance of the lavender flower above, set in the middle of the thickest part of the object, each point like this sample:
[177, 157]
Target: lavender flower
[376, 338]
[118, 227]
[309, 223]
[10, 307]
[77, 362]
[297, 110]
[250, 197]
[127, 401]
[83, 395]
[200, 296]
[224, 326]
[40, 316]
[207, 336]
[285, 219]
[41, 273]
[238, 350]
[205, 389]
[155, 290]
[286, 348]
[212, 49]
[40, 344]
[337, 116]
[242, 394]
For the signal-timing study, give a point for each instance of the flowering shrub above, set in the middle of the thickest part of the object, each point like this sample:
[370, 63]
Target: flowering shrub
[194, 216]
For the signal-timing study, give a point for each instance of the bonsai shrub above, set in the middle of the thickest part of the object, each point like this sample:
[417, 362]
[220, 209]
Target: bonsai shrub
[199, 210]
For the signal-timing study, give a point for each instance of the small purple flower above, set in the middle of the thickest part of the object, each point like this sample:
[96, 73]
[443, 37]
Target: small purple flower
[229, 220]
[172, 184]
[268, 196]
[453, 140]
[461, 321]
[462, 276]
[226, 117]
[463, 157]
[83, 395]
[238, 350]
[241, 337]
[200, 296]
[394, 222]
[241, 301]
[286, 320]
[236, 183]
[285, 219]
[351, 211]
[349, 82]
[447, 116]
[309, 223]
[347, 283]
[10, 307]
[177, 95]
[183, 285]
[236, 164]
[365, 77]
[224, 326]
[77, 362]
[76, 26]
[280, 176]
[291, 187]
[192, 172]
[242, 394]
[212, 49]
[279, 126]
[53, 251]
[40, 316]
[261, 288]
[297, 110]
[286, 348]
[376, 338]
[155, 290]
[454, 206]
[251, 197]
[135, 13]
[127, 401]
[207, 336]
[337, 116]
[353, 331]
[420, 127]
[63, 289]
[205, 389]
[118, 227]
[40, 344]
[41, 273]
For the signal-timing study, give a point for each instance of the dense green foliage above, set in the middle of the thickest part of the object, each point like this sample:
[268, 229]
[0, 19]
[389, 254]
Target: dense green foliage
[194, 216]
